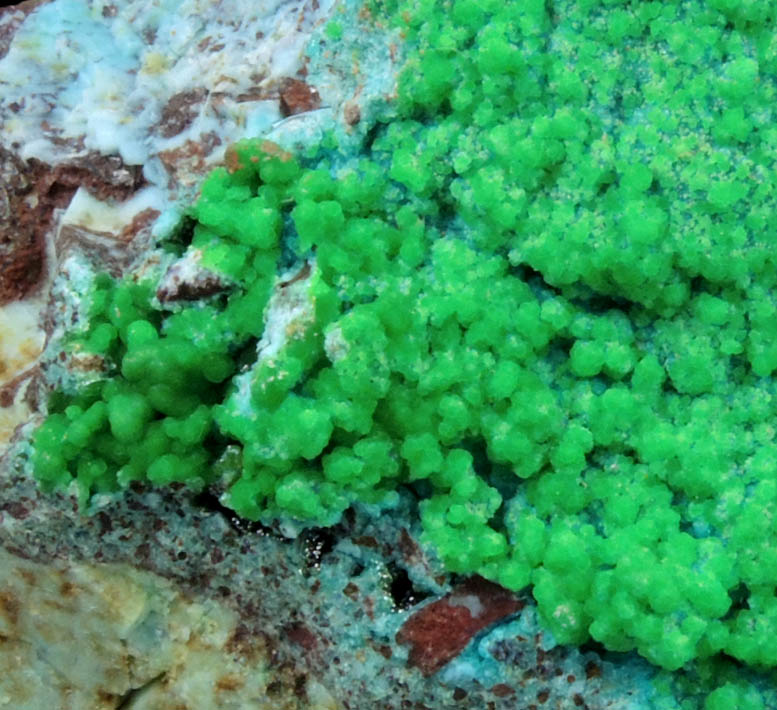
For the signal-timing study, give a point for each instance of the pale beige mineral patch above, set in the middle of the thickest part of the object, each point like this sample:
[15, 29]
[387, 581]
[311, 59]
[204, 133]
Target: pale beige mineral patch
[21, 343]
[97, 637]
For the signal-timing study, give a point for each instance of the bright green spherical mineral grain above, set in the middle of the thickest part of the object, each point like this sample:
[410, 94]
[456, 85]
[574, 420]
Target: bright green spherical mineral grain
[733, 697]
[128, 415]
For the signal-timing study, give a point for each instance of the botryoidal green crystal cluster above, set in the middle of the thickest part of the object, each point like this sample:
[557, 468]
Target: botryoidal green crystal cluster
[543, 297]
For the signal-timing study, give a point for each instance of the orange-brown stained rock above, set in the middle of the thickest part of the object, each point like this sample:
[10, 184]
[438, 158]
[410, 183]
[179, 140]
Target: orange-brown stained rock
[440, 631]
[187, 164]
[268, 151]
[273, 150]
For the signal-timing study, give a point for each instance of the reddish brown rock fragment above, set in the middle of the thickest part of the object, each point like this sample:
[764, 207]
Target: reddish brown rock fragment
[383, 649]
[187, 164]
[502, 690]
[16, 509]
[180, 111]
[141, 222]
[105, 177]
[21, 230]
[592, 670]
[301, 635]
[411, 552]
[438, 632]
[31, 191]
[298, 97]
[20, 271]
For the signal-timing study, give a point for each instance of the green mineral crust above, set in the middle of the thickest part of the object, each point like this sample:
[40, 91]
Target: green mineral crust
[543, 297]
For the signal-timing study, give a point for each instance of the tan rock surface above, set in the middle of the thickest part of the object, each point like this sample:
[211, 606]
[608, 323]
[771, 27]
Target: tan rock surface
[98, 637]
[21, 343]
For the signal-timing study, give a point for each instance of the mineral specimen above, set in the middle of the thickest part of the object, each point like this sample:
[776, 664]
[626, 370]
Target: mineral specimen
[540, 298]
